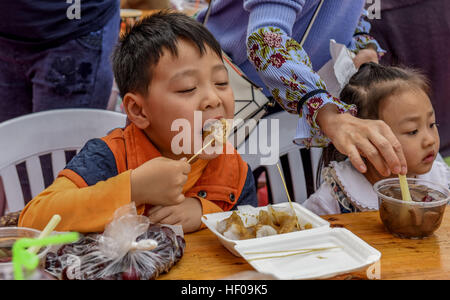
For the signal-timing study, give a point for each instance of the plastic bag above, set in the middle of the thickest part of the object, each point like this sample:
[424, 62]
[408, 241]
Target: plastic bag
[130, 248]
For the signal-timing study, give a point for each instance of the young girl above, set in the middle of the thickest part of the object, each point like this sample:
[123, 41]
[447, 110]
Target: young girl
[400, 98]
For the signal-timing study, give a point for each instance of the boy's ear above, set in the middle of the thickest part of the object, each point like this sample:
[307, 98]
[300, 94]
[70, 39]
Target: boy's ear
[134, 107]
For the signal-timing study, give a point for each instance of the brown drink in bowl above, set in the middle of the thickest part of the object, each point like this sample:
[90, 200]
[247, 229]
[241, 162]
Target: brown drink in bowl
[414, 219]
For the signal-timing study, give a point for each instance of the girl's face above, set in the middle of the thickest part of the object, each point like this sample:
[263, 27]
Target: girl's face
[411, 118]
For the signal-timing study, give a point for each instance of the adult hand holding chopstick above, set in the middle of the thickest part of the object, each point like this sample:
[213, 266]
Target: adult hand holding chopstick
[357, 138]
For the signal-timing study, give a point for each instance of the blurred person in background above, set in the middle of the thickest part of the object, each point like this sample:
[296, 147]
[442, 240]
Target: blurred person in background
[55, 54]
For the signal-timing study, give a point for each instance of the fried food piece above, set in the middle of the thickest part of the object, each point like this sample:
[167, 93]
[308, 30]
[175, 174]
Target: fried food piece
[269, 222]
[233, 228]
[265, 230]
[288, 224]
[218, 130]
[264, 218]
[284, 222]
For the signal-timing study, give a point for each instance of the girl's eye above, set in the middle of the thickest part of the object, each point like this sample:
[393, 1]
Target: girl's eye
[186, 91]
[434, 125]
[414, 132]
[222, 83]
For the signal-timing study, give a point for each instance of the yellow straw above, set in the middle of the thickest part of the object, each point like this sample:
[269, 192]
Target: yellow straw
[404, 188]
[54, 221]
[289, 198]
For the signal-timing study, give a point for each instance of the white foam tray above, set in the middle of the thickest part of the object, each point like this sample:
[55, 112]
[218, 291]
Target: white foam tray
[350, 253]
[304, 216]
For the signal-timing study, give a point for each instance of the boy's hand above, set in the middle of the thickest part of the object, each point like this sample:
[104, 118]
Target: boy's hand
[187, 214]
[159, 181]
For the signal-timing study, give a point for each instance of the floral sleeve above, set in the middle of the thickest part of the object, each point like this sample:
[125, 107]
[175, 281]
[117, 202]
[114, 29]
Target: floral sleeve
[362, 39]
[286, 69]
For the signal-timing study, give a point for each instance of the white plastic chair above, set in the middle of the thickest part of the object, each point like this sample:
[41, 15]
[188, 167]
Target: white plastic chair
[287, 127]
[26, 138]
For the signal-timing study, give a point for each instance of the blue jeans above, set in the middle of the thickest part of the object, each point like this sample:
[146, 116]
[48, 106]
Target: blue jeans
[75, 74]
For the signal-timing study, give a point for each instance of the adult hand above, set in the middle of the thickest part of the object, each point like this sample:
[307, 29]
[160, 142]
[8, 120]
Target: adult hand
[365, 56]
[372, 139]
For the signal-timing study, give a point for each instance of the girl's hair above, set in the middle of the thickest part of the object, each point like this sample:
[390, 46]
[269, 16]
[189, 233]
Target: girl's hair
[366, 89]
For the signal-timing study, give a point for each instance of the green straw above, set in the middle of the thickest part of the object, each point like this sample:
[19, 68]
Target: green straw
[23, 258]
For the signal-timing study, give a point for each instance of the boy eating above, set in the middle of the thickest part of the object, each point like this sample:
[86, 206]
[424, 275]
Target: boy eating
[167, 68]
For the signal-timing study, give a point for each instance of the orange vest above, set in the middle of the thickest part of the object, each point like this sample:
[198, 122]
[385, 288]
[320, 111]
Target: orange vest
[222, 180]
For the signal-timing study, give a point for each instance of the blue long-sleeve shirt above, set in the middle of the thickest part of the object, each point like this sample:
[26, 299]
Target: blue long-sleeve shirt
[261, 36]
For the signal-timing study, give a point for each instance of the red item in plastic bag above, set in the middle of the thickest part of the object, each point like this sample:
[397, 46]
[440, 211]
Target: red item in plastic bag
[130, 249]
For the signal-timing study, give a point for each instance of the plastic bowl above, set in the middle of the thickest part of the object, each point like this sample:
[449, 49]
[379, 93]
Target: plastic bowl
[7, 237]
[411, 219]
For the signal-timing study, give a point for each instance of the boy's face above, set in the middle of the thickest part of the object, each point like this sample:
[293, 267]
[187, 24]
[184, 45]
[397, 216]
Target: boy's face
[181, 86]
[411, 117]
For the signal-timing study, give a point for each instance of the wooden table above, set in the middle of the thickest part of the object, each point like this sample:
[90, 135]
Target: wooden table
[206, 258]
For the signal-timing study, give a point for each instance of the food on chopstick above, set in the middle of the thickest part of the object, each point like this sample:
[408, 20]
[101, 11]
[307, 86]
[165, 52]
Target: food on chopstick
[217, 130]
[266, 223]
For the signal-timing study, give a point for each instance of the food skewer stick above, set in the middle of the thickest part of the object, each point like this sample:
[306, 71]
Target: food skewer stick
[200, 151]
[289, 198]
[222, 139]
[406, 196]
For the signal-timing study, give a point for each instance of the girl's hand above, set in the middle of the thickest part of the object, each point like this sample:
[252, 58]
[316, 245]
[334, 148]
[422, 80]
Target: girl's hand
[372, 139]
[187, 214]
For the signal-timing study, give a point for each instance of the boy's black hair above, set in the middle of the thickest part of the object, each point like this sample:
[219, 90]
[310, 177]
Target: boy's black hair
[140, 49]
[366, 89]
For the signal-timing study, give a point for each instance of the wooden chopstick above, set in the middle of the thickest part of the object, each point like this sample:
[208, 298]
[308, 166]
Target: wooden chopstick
[289, 198]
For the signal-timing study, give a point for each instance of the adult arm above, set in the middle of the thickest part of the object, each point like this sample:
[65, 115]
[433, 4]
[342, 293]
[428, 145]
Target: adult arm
[285, 68]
